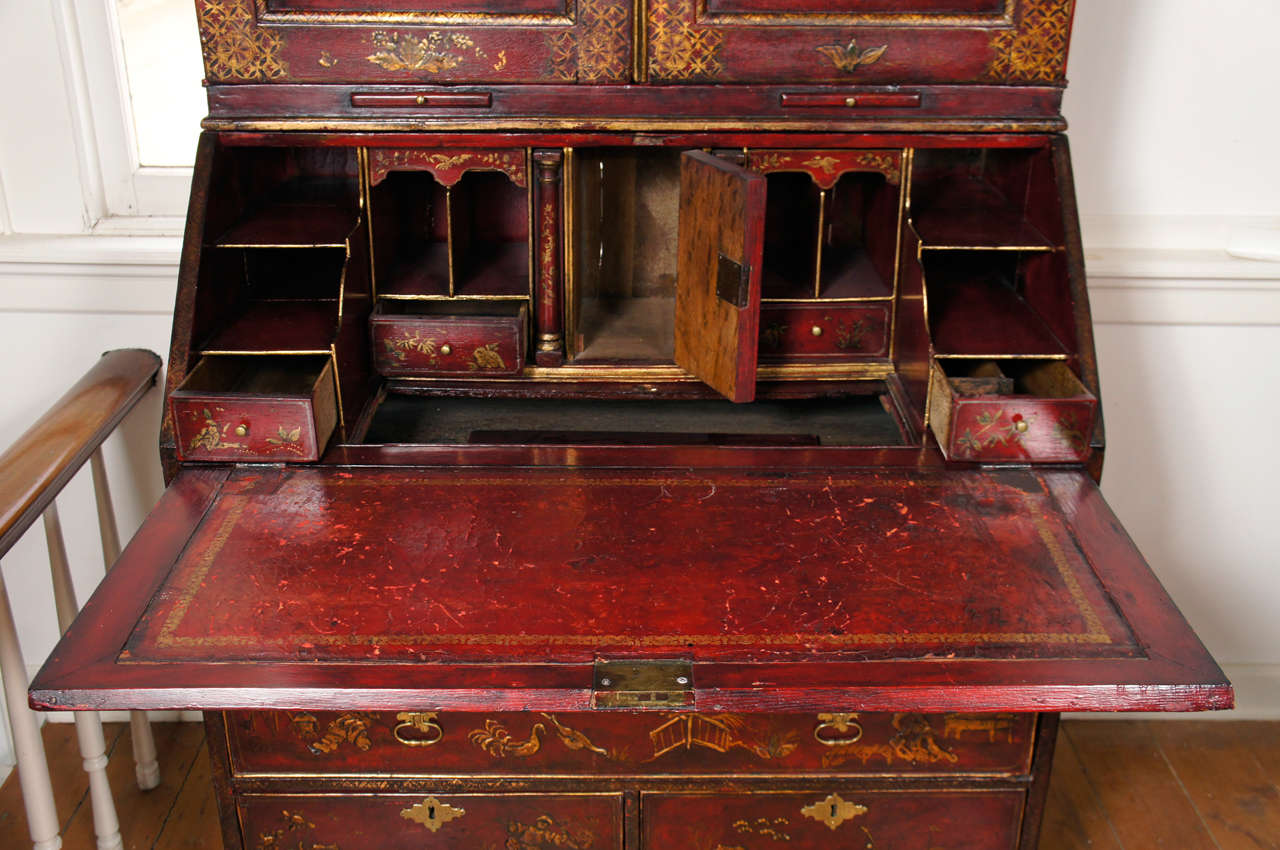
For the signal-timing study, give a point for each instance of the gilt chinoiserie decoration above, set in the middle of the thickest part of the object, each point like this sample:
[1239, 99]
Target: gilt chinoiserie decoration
[600, 425]
[1036, 51]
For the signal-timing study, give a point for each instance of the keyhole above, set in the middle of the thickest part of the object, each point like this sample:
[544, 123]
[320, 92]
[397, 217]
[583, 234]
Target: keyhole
[833, 811]
[431, 812]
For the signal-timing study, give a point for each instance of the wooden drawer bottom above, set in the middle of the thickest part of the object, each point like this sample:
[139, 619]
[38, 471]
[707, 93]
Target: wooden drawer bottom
[440, 822]
[821, 820]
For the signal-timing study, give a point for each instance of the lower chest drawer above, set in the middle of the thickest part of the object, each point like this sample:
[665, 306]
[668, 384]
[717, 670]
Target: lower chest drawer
[441, 822]
[627, 744]
[845, 818]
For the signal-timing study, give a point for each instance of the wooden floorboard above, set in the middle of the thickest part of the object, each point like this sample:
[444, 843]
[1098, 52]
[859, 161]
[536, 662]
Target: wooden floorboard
[193, 822]
[1117, 785]
[1137, 789]
[1237, 801]
[1073, 818]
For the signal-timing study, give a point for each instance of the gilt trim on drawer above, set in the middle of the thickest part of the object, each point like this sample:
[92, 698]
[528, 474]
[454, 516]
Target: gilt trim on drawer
[827, 17]
[564, 15]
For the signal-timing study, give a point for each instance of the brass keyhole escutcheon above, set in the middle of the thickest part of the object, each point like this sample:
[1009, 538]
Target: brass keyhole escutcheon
[418, 729]
[838, 730]
[432, 813]
[242, 430]
[833, 811]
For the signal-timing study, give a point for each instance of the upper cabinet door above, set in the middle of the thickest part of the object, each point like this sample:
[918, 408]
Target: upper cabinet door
[718, 274]
[1020, 42]
[416, 41]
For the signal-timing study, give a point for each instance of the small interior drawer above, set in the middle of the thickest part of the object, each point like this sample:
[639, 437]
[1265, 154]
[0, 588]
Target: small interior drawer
[834, 817]
[1011, 410]
[824, 331]
[434, 338]
[270, 408]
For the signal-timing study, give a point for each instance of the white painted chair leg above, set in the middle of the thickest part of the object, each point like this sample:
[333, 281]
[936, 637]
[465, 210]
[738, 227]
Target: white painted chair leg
[33, 769]
[93, 747]
[146, 765]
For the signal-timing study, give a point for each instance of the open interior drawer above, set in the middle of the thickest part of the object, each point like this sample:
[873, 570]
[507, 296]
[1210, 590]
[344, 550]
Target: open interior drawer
[268, 408]
[1011, 410]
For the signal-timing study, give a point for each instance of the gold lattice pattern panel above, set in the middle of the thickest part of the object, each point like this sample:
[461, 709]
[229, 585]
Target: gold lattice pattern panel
[677, 50]
[600, 47]
[1036, 52]
[235, 48]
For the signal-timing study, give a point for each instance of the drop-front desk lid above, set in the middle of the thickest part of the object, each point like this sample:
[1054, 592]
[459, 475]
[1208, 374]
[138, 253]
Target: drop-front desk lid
[887, 589]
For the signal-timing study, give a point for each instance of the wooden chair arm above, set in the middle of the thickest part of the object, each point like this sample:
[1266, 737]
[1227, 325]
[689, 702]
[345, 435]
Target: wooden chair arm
[39, 464]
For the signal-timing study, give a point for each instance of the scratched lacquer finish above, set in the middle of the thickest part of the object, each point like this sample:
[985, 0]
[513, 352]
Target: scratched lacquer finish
[400, 565]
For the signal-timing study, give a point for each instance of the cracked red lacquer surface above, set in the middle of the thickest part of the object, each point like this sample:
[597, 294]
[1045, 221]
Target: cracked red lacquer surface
[565, 566]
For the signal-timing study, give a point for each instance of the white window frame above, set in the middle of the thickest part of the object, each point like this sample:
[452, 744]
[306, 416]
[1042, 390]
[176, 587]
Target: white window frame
[121, 194]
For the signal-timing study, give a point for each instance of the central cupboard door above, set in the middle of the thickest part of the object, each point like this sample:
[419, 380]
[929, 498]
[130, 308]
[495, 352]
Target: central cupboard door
[718, 278]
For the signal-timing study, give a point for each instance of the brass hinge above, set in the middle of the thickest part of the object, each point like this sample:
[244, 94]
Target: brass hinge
[733, 282]
[642, 684]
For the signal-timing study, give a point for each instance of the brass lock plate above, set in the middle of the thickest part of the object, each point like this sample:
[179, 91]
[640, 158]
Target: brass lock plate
[642, 684]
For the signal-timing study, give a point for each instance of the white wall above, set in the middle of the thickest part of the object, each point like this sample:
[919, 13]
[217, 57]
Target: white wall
[1172, 129]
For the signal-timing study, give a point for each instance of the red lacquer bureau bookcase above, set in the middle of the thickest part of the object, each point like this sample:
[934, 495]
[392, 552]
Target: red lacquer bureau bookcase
[632, 424]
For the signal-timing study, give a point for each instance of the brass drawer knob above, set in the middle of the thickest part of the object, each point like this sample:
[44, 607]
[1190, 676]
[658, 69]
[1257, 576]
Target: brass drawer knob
[837, 730]
[242, 430]
[816, 330]
[833, 811]
[446, 349]
[418, 729]
[1021, 426]
[432, 813]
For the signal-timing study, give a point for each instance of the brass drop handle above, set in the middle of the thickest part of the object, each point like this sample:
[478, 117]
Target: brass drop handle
[848, 730]
[424, 724]
[432, 813]
[242, 430]
[446, 349]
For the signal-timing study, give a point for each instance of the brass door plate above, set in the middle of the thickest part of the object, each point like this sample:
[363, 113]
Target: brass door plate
[642, 684]
[733, 282]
